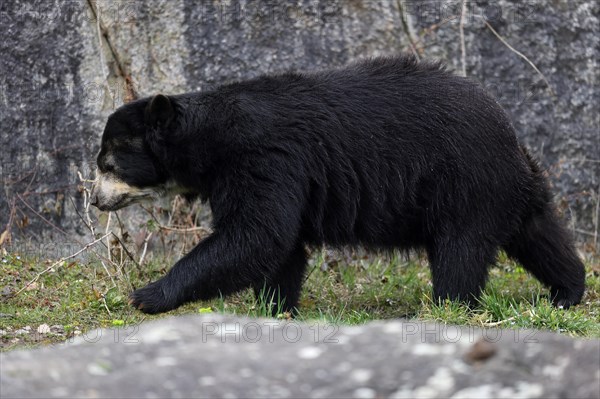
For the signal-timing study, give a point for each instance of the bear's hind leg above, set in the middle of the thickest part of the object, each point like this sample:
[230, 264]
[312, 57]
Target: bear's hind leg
[459, 267]
[281, 292]
[545, 249]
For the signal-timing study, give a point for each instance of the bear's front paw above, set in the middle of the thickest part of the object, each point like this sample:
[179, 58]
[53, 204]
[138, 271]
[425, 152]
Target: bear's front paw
[156, 297]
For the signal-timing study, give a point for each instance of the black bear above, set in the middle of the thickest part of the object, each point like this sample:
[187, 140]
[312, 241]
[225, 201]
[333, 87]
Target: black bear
[386, 153]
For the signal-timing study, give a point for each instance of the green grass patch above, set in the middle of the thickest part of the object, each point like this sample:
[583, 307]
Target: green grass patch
[76, 297]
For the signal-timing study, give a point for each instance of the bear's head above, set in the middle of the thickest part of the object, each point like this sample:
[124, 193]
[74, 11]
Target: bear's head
[128, 170]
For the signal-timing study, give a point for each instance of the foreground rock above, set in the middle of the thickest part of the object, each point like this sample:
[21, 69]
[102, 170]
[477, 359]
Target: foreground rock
[216, 356]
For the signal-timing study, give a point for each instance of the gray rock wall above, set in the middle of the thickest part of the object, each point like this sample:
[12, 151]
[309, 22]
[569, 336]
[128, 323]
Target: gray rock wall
[562, 39]
[62, 71]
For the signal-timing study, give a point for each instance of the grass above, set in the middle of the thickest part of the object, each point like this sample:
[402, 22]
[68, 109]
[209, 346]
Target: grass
[78, 296]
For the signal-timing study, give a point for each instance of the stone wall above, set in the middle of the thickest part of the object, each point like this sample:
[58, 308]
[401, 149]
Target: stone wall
[63, 70]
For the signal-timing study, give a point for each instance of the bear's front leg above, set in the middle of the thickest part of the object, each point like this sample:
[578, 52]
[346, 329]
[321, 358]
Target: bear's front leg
[222, 264]
[256, 219]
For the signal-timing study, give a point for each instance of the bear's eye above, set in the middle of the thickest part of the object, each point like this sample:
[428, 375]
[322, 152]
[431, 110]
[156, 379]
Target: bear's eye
[106, 167]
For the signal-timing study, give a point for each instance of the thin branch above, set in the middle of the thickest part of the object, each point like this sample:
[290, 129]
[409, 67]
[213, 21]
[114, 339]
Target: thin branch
[499, 322]
[105, 305]
[59, 262]
[87, 221]
[178, 229]
[129, 255]
[40, 216]
[120, 223]
[310, 273]
[461, 28]
[585, 232]
[5, 235]
[101, 53]
[523, 56]
[86, 204]
[517, 52]
[91, 228]
[141, 262]
[55, 190]
[106, 232]
[103, 33]
[432, 28]
[407, 31]
[184, 229]
[597, 218]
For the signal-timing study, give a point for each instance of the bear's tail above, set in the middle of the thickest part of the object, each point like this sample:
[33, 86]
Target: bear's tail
[544, 246]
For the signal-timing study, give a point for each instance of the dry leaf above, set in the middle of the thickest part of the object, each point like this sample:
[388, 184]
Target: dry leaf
[4, 237]
[32, 286]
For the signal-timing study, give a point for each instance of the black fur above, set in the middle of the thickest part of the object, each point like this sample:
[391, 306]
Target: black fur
[387, 153]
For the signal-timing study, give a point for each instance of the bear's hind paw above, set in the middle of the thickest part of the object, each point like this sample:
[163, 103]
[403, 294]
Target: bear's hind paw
[564, 298]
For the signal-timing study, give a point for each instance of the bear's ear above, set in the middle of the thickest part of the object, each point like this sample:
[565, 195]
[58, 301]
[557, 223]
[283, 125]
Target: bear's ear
[159, 111]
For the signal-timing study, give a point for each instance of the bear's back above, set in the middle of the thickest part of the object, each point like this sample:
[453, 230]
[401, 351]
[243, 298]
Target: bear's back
[382, 147]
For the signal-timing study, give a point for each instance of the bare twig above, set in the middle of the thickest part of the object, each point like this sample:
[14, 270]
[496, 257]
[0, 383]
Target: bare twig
[90, 226]
[185, 229]
[432, 28]
[597, 218]
[129, 255]
[120, 223]
[59, 262]
[87, 221]
[106, 232]
[40, 216]
[110, 276]
[86, 204]
[101, 53]
[407, 30]
[461, 28]
[5, 235]
[572, 217]
[310, 273]
[178, 229]
[517, 52]
[586, 233]
[103, 33]
[499, 322]
[58, 189]
[141, 262]
[106, 306]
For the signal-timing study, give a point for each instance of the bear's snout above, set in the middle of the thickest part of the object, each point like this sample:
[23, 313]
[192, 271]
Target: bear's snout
[110, 193]
[107, 203]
